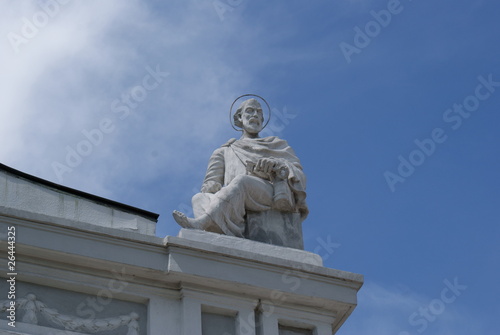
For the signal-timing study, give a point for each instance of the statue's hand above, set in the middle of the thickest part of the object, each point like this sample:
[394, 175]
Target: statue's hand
[273, 168]
[269, 165]
[266, 165]
[211, 187]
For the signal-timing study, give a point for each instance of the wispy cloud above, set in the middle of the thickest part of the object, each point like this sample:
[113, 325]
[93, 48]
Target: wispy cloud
[384, 310]
[63, 81]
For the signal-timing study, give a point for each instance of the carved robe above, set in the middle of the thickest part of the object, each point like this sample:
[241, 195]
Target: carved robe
[242, 191]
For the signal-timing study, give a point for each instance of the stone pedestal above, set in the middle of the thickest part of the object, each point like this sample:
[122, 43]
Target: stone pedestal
[274, 227]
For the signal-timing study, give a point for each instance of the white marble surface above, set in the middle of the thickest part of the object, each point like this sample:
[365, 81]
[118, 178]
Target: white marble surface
[18, 194]
[257, 248]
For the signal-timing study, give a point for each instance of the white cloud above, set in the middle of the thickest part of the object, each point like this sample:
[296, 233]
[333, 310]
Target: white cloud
[64, 79]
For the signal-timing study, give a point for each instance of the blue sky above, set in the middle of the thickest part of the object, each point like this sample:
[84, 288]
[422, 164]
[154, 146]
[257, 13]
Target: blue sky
[392, 106]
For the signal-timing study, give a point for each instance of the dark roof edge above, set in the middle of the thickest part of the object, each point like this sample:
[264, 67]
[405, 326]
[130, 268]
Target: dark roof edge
[92, 197]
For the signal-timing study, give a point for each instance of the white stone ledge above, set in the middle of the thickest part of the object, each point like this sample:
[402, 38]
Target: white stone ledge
[252, 251]
[258, 249]
[18, 216]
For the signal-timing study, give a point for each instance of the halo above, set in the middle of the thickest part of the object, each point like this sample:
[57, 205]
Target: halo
[248, 95]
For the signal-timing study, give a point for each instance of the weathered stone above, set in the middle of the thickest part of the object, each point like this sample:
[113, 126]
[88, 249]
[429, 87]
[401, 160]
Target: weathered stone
[263, 252]
[22, 194]
[274, 227]
[254, 187]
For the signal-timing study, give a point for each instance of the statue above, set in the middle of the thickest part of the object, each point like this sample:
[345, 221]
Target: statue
[251, 175]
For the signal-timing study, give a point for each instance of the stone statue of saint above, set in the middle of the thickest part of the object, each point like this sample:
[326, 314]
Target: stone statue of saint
[249, 175]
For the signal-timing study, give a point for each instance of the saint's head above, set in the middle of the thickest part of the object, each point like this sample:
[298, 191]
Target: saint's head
[249, 117]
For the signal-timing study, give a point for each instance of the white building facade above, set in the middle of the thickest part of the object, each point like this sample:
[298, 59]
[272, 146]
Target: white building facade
[74, 263]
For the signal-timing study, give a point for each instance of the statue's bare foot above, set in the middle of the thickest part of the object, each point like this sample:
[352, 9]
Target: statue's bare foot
[186, 222]
[181, 219]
